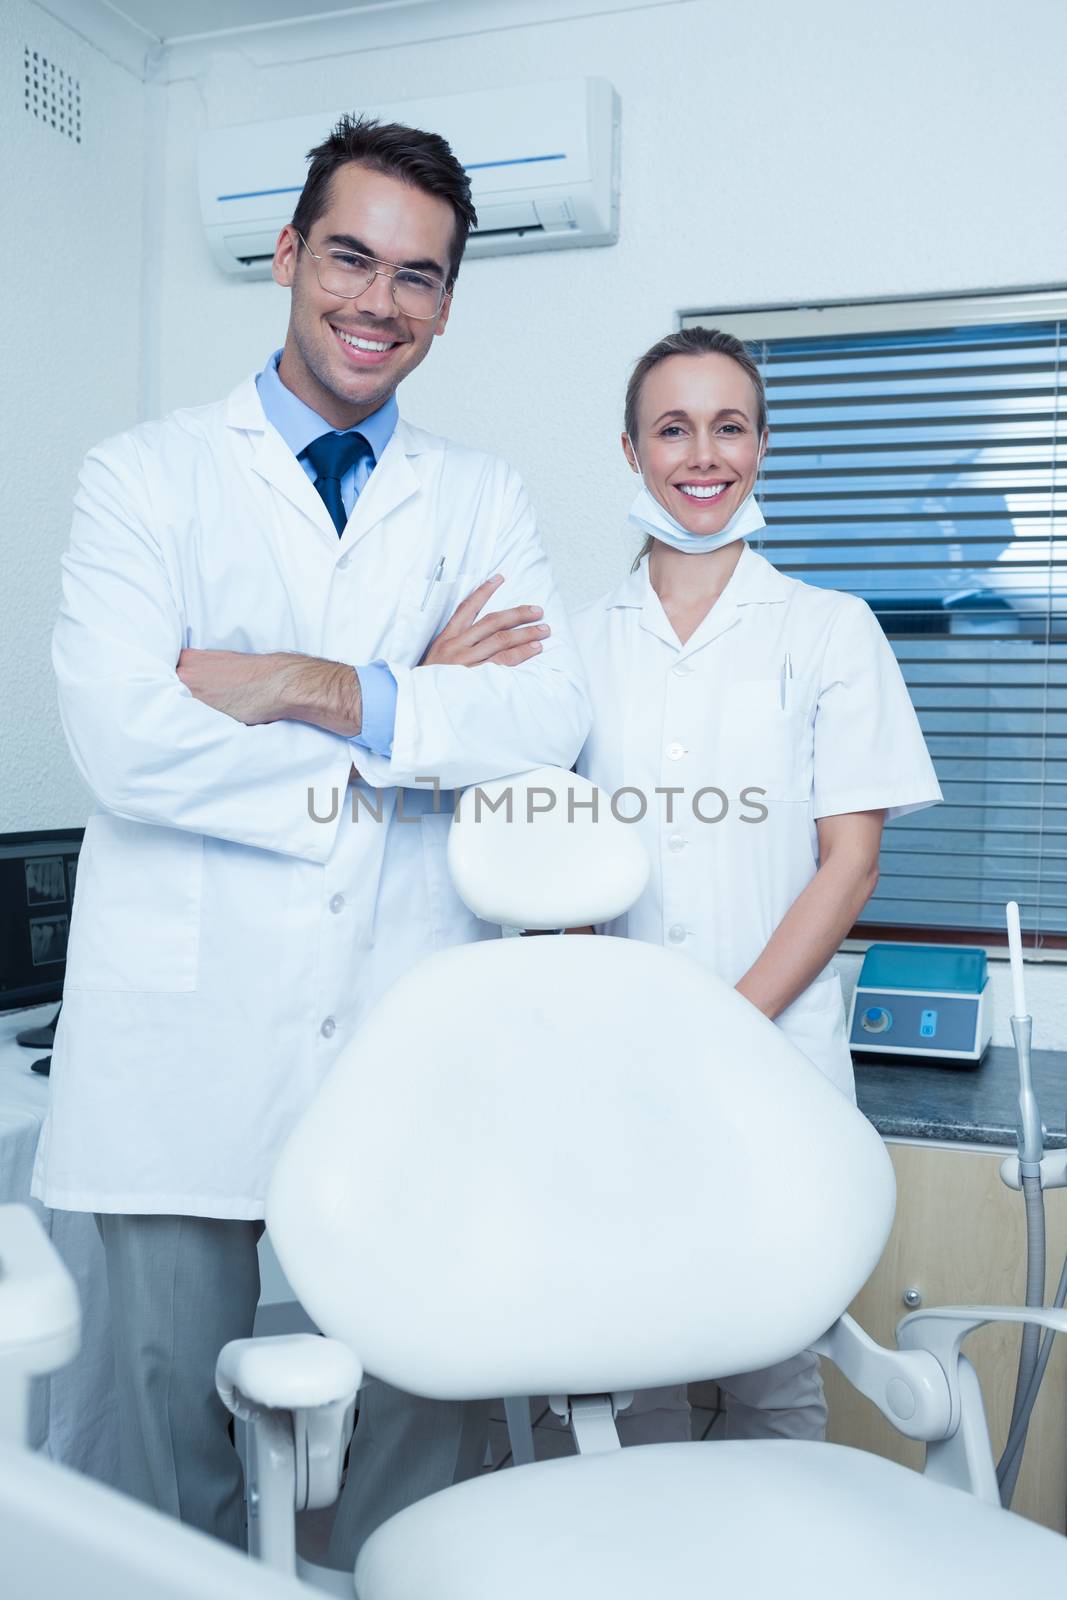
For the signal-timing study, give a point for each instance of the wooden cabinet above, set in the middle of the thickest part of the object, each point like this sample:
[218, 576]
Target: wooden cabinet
[959, 1238]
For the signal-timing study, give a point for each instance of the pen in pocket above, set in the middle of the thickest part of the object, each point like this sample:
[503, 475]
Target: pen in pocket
[437, 571]
[785, 678]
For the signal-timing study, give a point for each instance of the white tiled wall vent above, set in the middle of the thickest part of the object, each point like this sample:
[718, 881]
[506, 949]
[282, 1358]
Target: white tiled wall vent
[52, 95]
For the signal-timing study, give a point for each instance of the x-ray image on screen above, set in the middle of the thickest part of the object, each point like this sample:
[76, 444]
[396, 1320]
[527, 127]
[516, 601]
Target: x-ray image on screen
[37, 874]
[48, 940]
[46, 881]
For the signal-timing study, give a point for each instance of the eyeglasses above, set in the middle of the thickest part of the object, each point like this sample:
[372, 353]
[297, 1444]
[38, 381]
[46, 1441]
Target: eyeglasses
[347, 275]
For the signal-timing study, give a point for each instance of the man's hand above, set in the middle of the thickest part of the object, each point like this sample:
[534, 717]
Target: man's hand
[506, 638]
[275, 688]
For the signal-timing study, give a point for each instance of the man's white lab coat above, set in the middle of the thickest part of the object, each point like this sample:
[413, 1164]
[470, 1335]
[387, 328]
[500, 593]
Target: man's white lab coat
[224, 943]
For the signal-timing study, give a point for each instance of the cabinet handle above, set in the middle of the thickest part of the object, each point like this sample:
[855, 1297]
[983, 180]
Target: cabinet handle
[912, 1298]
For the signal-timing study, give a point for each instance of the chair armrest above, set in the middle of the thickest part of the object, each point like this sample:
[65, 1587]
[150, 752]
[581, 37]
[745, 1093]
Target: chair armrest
[941, 1330]
[313, 1380]
[909, 1387]
[40, 1316]
[40, 1319]
[289, 1372]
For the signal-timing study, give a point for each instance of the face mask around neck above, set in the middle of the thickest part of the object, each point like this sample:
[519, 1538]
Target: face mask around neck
[647, 514]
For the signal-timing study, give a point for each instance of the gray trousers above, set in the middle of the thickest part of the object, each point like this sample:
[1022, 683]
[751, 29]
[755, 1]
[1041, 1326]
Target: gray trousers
[181, 1288]
[785, 1401]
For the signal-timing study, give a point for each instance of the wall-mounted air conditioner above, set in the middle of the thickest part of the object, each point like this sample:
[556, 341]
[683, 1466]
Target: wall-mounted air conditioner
[543, 161]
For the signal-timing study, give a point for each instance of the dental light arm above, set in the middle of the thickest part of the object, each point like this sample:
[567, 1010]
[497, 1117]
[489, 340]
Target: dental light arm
[297, 1393]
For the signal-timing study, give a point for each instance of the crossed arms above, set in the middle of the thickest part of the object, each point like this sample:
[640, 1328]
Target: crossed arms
[286, 687]
[228, 745]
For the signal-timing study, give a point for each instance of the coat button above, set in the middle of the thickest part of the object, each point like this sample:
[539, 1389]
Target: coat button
[682, 670]
[676, 934]
[676, 842]
[337, 903]
[675, 751]
[345, 562]
[329, 1028]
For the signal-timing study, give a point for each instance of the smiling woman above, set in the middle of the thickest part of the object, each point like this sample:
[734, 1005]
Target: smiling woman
[767, 724]
[740, 425]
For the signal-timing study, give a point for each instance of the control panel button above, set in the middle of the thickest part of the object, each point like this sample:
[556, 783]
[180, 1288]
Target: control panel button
[876, 1019]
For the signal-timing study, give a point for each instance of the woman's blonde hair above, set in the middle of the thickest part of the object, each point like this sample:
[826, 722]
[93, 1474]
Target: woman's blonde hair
[696, 341]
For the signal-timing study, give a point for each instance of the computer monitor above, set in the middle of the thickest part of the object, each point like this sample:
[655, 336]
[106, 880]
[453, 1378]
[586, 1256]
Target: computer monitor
[37, 874]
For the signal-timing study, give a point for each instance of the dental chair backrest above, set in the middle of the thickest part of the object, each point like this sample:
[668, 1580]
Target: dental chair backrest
[572, 1165]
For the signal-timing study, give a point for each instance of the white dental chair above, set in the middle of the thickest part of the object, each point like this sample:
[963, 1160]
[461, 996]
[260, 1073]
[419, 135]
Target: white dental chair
[40, 1319]
[586, 1167]
[62, 1536]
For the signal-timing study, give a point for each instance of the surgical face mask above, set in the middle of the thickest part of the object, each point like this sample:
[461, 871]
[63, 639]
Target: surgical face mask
[648, 515]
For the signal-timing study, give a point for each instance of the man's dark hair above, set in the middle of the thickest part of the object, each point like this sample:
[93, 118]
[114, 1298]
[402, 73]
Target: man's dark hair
[424, 160]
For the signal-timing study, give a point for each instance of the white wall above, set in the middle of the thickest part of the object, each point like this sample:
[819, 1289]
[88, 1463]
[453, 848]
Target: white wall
[73, 251]
[771, 153]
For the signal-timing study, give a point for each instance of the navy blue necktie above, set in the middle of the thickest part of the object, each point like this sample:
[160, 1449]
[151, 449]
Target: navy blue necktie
[332, 455]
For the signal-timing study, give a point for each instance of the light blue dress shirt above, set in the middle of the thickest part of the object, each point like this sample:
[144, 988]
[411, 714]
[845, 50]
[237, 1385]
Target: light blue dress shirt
[298, 426]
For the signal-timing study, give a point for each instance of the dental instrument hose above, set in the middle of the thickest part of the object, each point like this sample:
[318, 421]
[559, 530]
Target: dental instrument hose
[1031, 1151]
[1013, 1450]
[1029, 1350]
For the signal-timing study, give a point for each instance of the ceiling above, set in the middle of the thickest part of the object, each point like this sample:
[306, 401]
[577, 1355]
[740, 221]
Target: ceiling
[166, 21]
[163, 40]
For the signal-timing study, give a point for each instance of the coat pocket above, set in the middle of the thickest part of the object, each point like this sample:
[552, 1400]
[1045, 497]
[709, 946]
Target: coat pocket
[136, 919]
[425, 609]
[815, 1023]
[763, 745]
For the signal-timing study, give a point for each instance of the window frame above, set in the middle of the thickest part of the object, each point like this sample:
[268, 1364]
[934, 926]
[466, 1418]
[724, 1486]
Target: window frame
[899, 313]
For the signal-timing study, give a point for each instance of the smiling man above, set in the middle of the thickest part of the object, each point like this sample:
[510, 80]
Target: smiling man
[261, 597]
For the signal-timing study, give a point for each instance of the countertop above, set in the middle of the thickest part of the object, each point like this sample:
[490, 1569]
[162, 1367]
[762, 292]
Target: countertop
[961, 1105]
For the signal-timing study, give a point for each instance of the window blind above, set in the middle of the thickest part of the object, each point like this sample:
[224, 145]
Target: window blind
[916, 460]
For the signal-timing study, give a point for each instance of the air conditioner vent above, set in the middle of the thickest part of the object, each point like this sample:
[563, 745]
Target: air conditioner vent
[542, 158]
[52, 95]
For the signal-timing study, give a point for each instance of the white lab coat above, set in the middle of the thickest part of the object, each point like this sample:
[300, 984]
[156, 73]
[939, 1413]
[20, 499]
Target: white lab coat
[224, 944]
[711, 713]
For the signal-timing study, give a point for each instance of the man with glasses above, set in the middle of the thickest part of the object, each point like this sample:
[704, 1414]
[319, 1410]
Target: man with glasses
[266, 605]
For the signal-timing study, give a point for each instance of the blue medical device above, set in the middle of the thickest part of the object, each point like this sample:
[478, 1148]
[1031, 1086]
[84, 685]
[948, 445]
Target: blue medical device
[922, 1001]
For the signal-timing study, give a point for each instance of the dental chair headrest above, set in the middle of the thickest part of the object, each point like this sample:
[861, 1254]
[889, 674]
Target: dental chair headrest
[544, 850]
